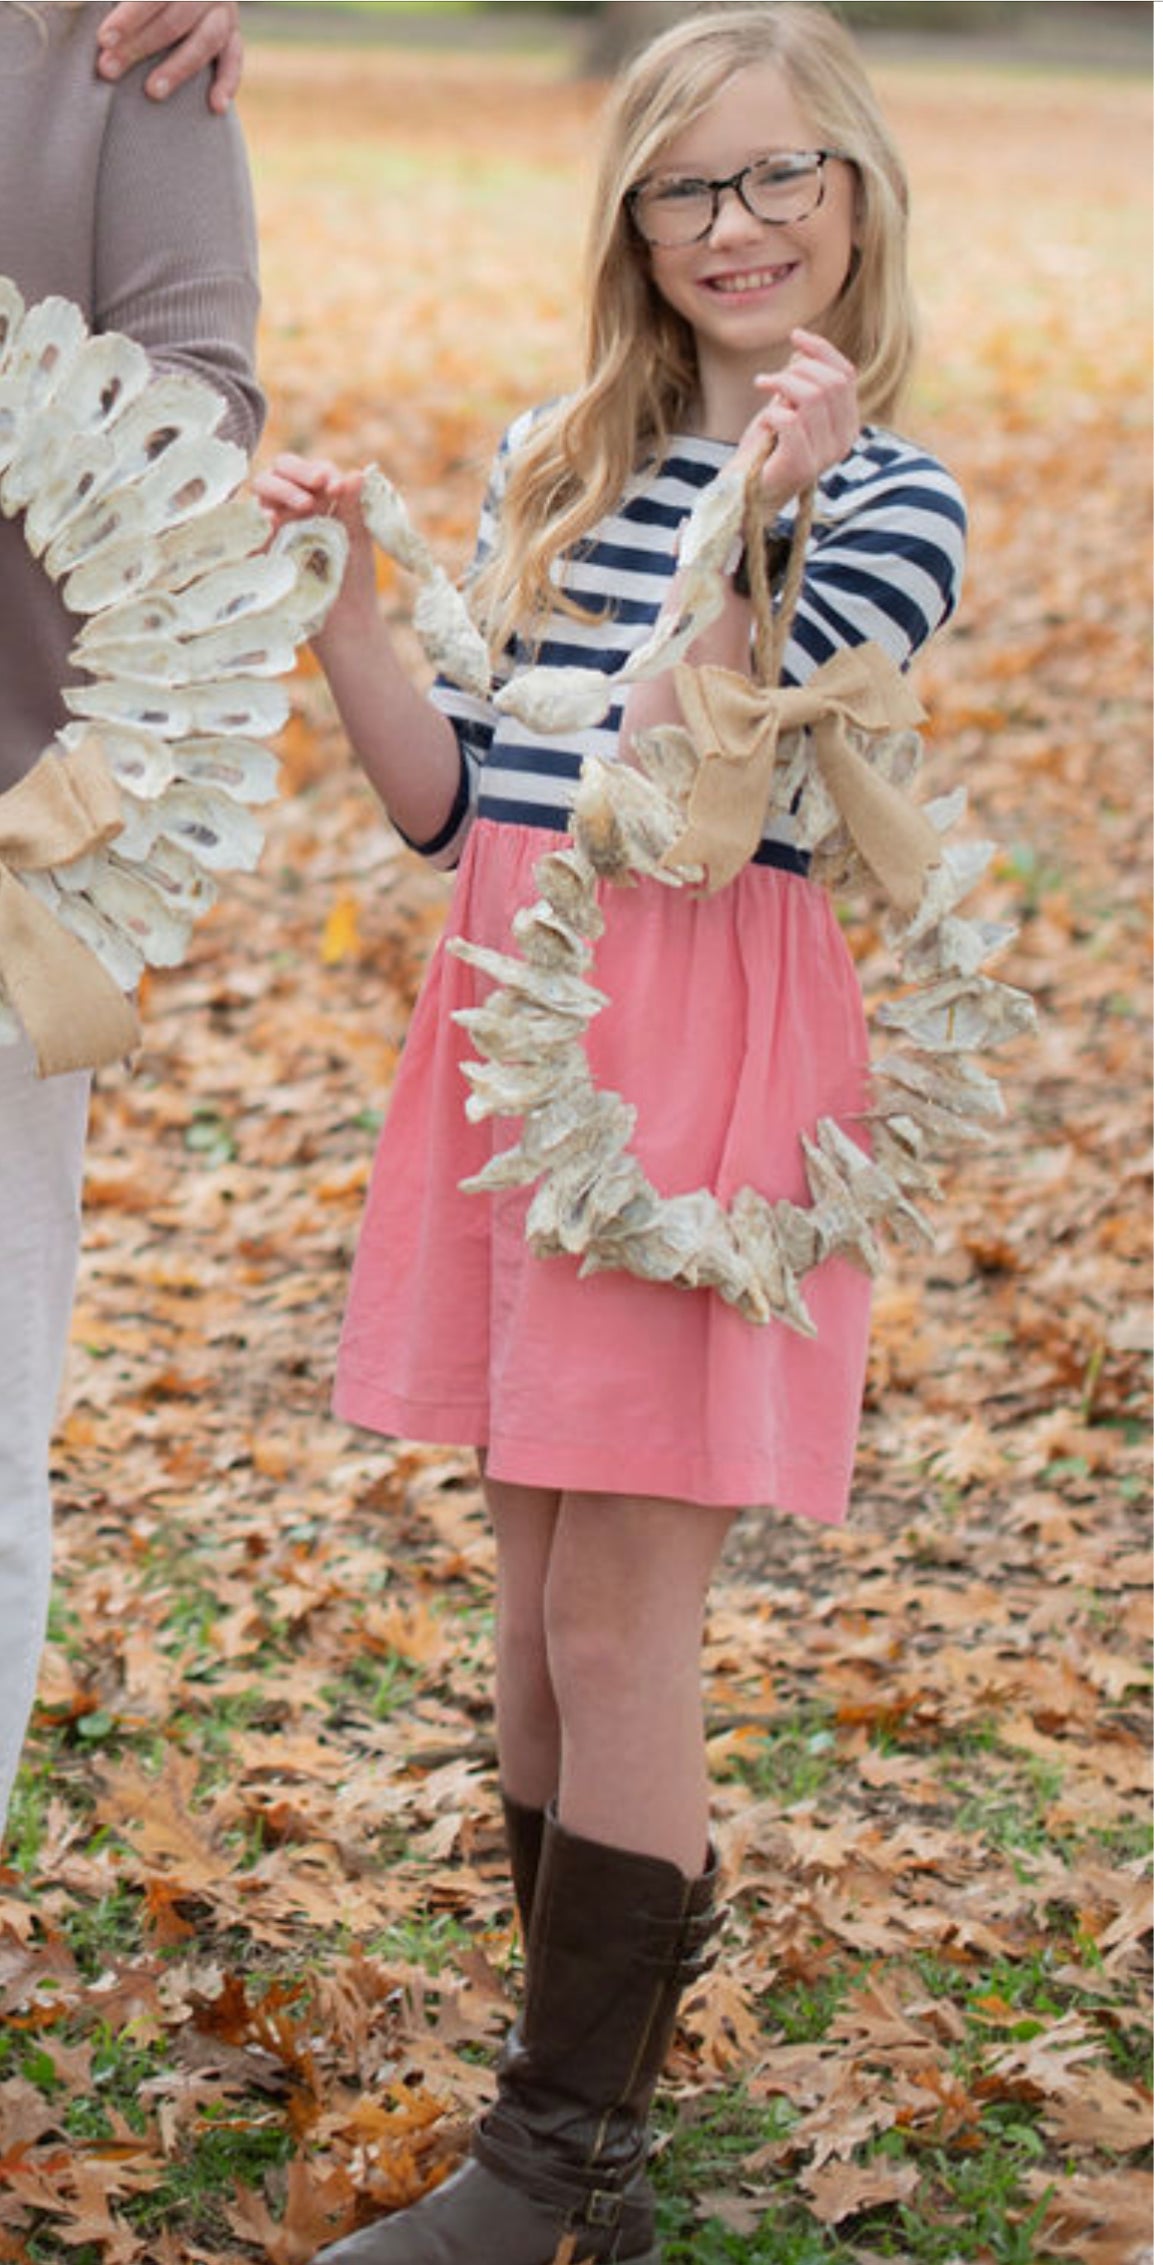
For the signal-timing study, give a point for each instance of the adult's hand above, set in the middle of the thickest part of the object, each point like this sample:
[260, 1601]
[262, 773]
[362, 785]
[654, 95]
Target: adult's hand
[187, 34]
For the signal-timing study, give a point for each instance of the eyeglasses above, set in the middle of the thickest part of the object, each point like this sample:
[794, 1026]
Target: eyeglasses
[679, 208]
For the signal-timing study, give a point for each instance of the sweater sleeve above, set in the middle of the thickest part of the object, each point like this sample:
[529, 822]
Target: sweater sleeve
[175, 256]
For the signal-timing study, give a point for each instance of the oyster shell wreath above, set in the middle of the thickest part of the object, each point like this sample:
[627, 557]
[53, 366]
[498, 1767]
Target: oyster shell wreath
[834, 758]
[110, 846]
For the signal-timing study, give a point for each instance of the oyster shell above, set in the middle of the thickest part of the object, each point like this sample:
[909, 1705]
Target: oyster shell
[81, 919]
[41, 352]
[548, 940]
[546, 987]
[154, 615]
[159, 930]
[764, 1232]
[215, 830]
[509, 1089]
[954, 1081]
[173, 410]
[964, 1012]
[106, 523]
[962, 866]
[11, 417]
[38, 452]
[840, 1219]
[251, 707]
[589, 1205]
[157, 709]
[702, 602]
[713, 525]
[318, 548]
[243, 769]
[621, 821]
[11, 317]
[247, 647]
[140, 762]
[669, 760]
[557, 699]
[449, 637]
[185, 886]
[872, 1190]
[82, 474]
[507, 1030]
[147, 660]
[508, 1168]
[898, 1143]
[139, 826]
[224, 537]
[233, 593]
[190, 479]
[897, 755]
[557, 1135]
[956, 947]
[387, 520]
[946, 810]
[565, 878]
[108, 373]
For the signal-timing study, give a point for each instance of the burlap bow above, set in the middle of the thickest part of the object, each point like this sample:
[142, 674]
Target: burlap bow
[734, 724]
[72, 1010]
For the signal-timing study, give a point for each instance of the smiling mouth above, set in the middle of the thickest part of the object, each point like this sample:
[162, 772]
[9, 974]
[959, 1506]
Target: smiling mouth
[749, 279]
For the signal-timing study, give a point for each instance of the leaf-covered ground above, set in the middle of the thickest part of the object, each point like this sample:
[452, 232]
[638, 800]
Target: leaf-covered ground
[255, 1942]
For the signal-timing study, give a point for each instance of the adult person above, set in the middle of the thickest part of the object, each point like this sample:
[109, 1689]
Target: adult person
[142, 215]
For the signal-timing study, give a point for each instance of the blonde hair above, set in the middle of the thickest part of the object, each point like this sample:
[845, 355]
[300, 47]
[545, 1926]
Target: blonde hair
[641, 373]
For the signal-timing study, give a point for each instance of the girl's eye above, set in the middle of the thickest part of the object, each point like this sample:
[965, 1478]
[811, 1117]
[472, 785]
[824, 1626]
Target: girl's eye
[679, 191]
[778, 170]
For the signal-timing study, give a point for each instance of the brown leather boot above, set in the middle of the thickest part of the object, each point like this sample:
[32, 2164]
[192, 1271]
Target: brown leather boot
[614, 1939]
[524, 1833]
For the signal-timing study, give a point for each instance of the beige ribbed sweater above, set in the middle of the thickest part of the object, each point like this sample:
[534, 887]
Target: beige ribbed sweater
[141, 212]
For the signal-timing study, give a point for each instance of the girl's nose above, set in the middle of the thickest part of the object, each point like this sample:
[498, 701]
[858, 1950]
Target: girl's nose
[733, 223]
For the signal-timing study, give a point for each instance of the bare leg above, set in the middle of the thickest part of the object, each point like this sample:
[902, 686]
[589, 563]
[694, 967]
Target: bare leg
[625, 1602]
[528, 1726]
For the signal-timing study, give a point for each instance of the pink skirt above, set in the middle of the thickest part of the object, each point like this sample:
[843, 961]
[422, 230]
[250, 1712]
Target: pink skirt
[736, 1021]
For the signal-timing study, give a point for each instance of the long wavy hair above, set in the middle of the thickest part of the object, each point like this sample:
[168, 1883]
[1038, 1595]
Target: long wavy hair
[640, 377]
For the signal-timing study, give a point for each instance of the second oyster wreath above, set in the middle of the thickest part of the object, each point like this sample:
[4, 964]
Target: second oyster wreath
[833, 757]
[111, 844]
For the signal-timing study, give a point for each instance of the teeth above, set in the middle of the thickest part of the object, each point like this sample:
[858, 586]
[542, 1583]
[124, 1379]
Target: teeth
[750, 282]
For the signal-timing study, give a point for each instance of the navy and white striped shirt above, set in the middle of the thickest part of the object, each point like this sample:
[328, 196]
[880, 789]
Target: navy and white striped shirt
[884, 562]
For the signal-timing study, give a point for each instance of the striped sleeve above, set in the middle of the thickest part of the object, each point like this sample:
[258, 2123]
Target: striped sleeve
[474, 720]
[886, 559]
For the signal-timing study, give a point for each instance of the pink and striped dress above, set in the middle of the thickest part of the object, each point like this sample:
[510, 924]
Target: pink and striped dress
[736, 1020]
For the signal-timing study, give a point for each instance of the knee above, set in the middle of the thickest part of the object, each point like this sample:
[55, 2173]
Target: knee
[592, 1655]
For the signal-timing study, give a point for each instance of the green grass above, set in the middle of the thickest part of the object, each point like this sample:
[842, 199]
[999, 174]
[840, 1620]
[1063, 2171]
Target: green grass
[963, 2207]
[969, 2202]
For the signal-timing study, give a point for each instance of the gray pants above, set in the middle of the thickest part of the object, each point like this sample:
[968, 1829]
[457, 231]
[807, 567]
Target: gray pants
[42, 1143]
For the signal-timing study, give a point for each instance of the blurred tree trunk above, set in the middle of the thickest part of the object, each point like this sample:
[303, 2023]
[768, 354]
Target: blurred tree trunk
[618, 28]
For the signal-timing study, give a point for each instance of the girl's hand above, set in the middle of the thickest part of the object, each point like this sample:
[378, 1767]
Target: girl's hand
[194, 34]
[298, 487]
[408, 748]
[809, 421]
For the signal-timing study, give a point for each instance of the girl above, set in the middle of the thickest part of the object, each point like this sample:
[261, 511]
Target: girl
[748, 304]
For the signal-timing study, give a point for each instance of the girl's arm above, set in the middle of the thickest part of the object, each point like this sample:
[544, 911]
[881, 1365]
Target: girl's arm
[408, 749]
[808, 423]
